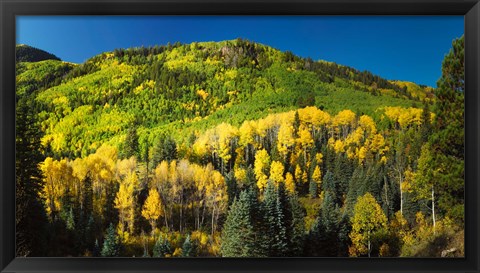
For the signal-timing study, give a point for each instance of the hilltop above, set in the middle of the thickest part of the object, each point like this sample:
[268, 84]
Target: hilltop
[194, 87]
[25, 53]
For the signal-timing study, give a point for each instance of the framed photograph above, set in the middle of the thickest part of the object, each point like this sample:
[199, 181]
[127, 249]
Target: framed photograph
[217, 136]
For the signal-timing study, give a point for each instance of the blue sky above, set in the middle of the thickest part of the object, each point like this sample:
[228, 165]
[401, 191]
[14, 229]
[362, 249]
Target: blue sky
[395, 47]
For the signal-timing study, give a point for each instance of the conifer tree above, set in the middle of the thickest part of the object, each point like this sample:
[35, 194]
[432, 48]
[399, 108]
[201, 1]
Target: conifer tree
[238, 235]
[188, 248]
[111, 244]
[162, 247]
[96, 249]
[276, 240]
[31, 219]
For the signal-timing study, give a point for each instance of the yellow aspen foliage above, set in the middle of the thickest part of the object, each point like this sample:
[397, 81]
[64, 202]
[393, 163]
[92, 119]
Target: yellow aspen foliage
[124, 203]
[285, 139]
[247, 133]
[317, 175]
[339, 146]
[404, 116]
[362, 154]
[313, 116]
[343, 121]
[409, 177]
[304, 139]
[261, 168]
[367, 123]
[226, 136]
[319, 158]
[240, 175]
[276, 172]
[79, 168]
[161, 174]
[298, 174]
[126, 166]
[383, 160]
[57, 175]
[202, 94]
[289, 183]
[368, 219]
[201, 145]
[152, 208]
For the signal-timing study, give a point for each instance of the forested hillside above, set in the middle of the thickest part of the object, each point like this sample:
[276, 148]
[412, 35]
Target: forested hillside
[236, 149]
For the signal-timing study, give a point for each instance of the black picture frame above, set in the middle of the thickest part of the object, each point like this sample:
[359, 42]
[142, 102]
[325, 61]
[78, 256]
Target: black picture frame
[11, 8]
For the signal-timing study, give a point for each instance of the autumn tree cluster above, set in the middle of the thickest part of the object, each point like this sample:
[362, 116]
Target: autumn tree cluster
[234, 149]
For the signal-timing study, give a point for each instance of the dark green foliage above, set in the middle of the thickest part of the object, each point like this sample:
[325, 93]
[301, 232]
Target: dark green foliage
[155, 103]
[296, 227]
[111, 244]
[448, 139]
[70, 221]
[323, 238]
[232, 187]
[188, 249]
[31, 219]
[25, 53]
[238, 235]
[276, 240]
[96, 249]
[130, 146]
[165, 149]
[312, 189]
[162, 247]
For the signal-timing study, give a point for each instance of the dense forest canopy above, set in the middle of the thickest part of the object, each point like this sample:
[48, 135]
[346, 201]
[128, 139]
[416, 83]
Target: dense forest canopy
[235, 149]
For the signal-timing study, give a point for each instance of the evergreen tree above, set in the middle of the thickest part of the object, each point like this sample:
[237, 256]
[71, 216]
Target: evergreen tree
[296, 230]
[188, 249]
[162, 247]
[111, 244]
[313, 189]
[448, 139]
[238, 235]
[31, 219]
[96, 249]
[70, 221]
[276, 234]
[165, 149]
[130, 146]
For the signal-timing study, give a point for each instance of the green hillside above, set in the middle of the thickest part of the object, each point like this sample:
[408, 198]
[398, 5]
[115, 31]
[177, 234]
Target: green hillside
[25, 53]
[195, 87]
[211, 148]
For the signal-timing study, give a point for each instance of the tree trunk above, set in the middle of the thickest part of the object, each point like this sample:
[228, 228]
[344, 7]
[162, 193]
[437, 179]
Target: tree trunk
[433, 209]
[213, 218]
[369, 248]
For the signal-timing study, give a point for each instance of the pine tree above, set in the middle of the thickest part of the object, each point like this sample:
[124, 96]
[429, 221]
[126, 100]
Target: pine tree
[70, 222]
[96, 249]
[238, 235]
[162, 247]
[448, 139]
[31, 219]
[130, 146]
[313, 189]
[111, 244]
[188, 248]
[276, 234]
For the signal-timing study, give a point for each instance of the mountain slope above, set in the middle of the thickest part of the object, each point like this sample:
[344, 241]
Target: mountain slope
[25, 53]
[182, 90]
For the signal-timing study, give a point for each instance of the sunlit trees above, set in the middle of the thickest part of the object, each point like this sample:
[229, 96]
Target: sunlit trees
[152, 208]
[262, 168]
[368, 219]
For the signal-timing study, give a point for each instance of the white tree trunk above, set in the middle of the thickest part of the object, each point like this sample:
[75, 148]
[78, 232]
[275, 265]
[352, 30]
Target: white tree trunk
[433, 209]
